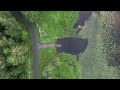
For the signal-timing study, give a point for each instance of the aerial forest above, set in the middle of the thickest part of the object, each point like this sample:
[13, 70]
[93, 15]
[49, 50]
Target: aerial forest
[88, 45]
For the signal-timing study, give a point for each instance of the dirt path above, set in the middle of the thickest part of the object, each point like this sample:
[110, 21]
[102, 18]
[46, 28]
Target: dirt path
[30, 27]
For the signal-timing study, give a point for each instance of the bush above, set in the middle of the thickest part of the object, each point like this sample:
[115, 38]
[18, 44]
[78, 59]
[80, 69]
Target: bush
[64, 66]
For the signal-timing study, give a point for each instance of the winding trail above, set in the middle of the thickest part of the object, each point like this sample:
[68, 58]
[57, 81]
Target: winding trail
[30, 27]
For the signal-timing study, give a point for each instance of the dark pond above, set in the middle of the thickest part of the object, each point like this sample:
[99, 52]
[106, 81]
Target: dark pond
[72, 45]
[83, 16]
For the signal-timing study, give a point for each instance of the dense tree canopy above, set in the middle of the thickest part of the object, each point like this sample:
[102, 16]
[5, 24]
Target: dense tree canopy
[14, 48]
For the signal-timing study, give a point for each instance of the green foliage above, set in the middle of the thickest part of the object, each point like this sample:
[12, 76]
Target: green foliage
[13, 48]
[15, 41]
[101, 47]
[17, 55]
[62, 67]
[50, 26]
[53, 24]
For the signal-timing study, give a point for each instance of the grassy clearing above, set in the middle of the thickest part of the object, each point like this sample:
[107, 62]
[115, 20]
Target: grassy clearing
[52, 26]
